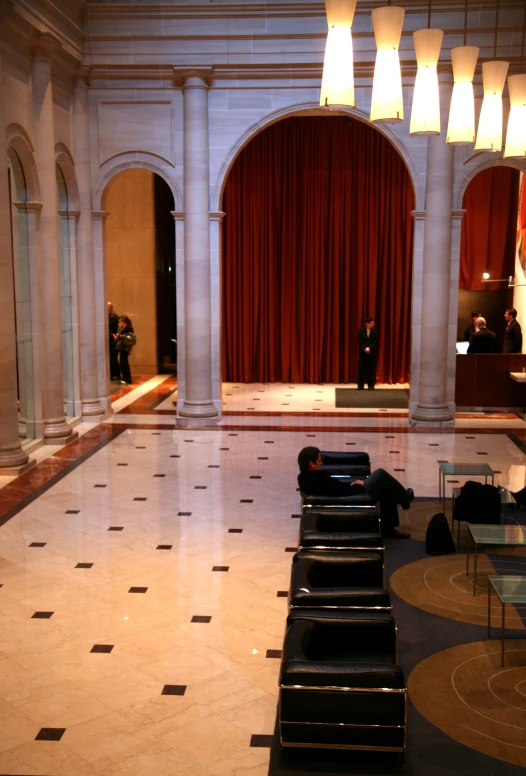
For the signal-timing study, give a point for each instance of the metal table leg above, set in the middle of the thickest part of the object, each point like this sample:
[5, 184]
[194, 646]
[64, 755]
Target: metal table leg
[502, 634]
[475, 570]
[489, 609]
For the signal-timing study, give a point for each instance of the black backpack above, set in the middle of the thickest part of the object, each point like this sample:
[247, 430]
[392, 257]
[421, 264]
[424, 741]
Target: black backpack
[438, 536]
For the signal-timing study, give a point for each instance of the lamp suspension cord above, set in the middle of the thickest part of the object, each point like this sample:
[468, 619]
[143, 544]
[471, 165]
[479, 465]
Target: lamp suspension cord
[497, 9]
[465, 21]
[429, 15]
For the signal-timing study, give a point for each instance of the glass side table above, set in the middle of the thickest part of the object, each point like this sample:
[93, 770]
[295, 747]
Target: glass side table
[462, 470]
[492, 536]
[509, 590]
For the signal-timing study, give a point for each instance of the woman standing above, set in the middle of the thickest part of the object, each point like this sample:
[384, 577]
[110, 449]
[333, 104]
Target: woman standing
[125, 339]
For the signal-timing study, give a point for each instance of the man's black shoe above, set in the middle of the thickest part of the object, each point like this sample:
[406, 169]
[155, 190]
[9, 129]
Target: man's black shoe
[394, 534]
[406, 501]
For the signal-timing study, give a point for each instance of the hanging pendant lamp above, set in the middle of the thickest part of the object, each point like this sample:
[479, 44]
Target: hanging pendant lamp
[461, 125]
[489, 134]
[516, 134]
[387, 101]
[425, 114]
[337, 85]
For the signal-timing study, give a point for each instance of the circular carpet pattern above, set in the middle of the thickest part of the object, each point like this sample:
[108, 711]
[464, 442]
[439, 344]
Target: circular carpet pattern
[466, 693]
[439, 585]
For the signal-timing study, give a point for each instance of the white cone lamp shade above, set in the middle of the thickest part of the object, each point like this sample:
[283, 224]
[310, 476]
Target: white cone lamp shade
[489, 134]
[461, 125]
[425, 115]
[337, 85]
[387, 102]
[516, 134]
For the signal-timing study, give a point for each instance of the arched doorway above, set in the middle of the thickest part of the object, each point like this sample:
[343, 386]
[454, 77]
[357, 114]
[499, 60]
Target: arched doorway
[317, 234]
[140, 265]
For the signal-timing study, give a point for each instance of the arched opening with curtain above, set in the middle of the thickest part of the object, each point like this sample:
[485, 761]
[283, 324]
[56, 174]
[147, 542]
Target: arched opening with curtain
[317, 235]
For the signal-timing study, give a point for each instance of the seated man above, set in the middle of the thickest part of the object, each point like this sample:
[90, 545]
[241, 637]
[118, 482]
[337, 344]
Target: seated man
[380, 486]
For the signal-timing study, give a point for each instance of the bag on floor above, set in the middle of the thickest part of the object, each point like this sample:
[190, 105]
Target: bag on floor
[438, 536]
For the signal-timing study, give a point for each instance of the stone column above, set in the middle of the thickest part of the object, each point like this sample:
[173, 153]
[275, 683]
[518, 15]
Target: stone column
[100, 308]
[88, 351]
[12, 457]
[198, 354]
[433, 407]
[56, 429]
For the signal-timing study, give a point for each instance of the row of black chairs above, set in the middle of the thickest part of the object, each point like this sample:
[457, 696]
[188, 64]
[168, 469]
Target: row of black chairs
[340, 683]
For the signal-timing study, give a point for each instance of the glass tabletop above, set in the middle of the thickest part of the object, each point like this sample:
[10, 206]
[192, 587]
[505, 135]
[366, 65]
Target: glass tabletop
[498, 534]
[510, 590]
[466, 468]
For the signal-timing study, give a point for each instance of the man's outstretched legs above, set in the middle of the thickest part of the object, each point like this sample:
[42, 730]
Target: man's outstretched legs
[383, 488]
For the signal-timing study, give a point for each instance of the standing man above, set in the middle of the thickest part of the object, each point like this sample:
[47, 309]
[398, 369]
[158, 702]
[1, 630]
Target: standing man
[513, 333]
[113, 326]
[367, 347]
[483, 340]
[469, 331]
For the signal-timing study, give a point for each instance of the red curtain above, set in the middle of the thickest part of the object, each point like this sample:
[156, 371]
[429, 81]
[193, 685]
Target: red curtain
[317, 235]
[489, 228]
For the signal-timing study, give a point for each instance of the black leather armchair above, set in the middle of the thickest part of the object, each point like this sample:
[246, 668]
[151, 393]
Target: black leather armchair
[359, 501]
[335, 529]
[341, 580]
[354, 464]
[340, 685]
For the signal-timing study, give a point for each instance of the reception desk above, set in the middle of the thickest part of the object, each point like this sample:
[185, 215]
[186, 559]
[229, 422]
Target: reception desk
[484, 380]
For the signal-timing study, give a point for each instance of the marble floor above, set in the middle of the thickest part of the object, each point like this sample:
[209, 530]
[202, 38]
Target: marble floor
[140, 608]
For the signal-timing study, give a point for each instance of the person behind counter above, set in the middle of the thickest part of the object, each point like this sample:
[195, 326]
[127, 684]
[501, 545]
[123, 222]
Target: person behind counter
[469, 331]
[483, 340]
[513, 334]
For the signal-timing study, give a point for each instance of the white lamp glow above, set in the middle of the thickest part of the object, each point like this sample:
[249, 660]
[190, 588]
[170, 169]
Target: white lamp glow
[489, 134]
[387, 102]
[425, 115]
[516, 134]
[337, 86]
[461, 125]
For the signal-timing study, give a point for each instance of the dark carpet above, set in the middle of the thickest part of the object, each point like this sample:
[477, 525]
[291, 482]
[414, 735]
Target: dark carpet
[429, 752]
[380, 398]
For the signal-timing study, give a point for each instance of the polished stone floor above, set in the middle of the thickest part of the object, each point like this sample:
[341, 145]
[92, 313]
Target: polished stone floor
[140, 572]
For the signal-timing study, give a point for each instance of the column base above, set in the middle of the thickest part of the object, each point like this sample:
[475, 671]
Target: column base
[91, 407]
[432, 414]
[57, 431]
[13, 458]
[191, 409]
[16, 471]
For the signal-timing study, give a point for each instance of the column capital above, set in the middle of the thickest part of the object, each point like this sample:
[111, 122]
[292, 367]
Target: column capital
[72, 214]
[84, 77]
[178, 215]
[418, 215]
[46, 47]
[99, 215]
[218, 216]
[193, 77]
[458, 214]
[28, 207]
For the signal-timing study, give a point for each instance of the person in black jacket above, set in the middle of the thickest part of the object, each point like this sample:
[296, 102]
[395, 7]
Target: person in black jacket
[483, 340]
[367, 347]
[113, 325]
[513, 333]
[124, 347]
[380, 486]
[469, 331]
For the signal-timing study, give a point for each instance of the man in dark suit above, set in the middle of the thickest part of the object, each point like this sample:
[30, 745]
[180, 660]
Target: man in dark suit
[469, 331]
[367, 347]
[513, 333]
[483, 340]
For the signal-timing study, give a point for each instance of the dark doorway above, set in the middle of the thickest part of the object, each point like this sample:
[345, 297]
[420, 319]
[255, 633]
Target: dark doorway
[165, 277]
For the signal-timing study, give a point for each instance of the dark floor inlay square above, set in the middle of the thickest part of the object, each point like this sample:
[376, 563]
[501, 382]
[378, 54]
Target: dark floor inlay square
[235, 530]
[394, 451]
[310, 435]
[140, 498]
[496, 471]
[351, 443]
[38, 544]
[188, 440]
[84, 565]
[233, 434]
[102, 648]
[184, 514]
[399, 470]
[261, 741]
[200, 618]
[389, 437]
[481, 453]
[273, 653]
[122, 464]
[156, 433]
[159, 475]
[100, 486]
[50, 734]
[220, 568]
[213, 466]
[262, 457]
[442, 461]
[224, 448]
[164, 546]
[174, 689]
[140, 447]
[282, 594]
[137, 590]
[291, 549]
[175, 456]
[269, 441]
[72, 511]
[246, 501]
[42, 615]
[284, 405]
[318, 399]
[116, 528]
[200, 487]
[298, 517]
[470, 437]
[255, 476]
[452, 480]
[434, 444]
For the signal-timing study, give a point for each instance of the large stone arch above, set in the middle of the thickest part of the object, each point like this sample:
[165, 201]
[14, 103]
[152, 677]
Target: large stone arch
[18, 140]
[313, 109]
[143, 160]
[64, 159]
[472, 169]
